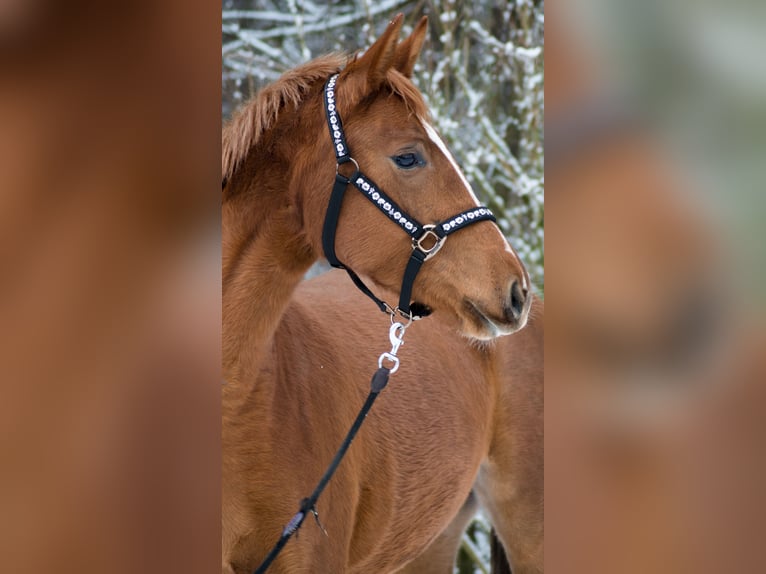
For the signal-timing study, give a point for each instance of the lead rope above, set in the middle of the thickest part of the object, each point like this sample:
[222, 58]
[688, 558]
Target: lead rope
[388, 363]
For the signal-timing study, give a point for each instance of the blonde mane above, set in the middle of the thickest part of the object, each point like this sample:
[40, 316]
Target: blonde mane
[250, 121]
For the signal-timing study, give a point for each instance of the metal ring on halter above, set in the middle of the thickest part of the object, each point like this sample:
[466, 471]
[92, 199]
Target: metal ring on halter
[394, 311]
[350, 159]
[389, 357]
[428, 230]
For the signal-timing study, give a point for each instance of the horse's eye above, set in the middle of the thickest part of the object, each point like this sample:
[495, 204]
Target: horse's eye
[408, 160]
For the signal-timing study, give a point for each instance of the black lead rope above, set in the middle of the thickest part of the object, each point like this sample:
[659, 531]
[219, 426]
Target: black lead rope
[378, 383]
[426, 242]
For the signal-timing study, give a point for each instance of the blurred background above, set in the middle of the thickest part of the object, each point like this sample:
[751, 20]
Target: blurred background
[654, 369]
[109, 287]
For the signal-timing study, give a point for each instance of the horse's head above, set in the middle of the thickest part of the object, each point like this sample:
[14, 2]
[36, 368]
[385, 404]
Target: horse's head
[476, 276]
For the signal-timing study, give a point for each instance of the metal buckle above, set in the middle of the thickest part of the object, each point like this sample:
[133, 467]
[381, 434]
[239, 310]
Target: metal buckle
[429, 251]
[396, 336]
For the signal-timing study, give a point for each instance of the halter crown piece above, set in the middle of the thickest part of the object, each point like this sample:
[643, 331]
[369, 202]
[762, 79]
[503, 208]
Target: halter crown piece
[422, 235]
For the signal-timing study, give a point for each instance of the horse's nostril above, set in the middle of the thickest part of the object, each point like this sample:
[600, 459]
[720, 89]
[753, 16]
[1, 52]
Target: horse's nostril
[518, 298]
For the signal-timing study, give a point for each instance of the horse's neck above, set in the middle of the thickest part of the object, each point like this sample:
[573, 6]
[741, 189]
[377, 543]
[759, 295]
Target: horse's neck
[265, 256]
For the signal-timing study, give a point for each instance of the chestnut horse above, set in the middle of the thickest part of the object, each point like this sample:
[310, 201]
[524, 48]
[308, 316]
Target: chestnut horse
[278, 170]
[456, 416]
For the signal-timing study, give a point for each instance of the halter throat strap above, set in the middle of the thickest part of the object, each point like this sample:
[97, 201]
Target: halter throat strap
[427, 239]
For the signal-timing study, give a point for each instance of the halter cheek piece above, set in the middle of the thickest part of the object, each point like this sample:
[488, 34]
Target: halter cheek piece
[426, 239]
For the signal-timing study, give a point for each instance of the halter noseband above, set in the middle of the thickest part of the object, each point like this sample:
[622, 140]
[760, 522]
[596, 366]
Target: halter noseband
[426, 239]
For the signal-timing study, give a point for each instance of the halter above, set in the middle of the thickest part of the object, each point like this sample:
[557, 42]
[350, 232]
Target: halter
[427, 239]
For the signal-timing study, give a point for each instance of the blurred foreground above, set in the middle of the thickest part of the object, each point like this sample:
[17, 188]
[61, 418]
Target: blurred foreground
[655, 366]
[109, 296]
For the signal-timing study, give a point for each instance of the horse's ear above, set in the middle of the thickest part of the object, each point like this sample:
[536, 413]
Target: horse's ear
[408, 51]
[380, 57]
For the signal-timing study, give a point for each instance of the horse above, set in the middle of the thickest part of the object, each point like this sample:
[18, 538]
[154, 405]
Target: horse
[460, 421]
[278, 168]
[440, 555]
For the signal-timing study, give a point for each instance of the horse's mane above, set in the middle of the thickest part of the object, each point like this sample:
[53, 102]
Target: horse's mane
[252, 120]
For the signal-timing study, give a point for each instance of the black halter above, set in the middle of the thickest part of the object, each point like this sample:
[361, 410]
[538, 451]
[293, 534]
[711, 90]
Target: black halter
[426, 239]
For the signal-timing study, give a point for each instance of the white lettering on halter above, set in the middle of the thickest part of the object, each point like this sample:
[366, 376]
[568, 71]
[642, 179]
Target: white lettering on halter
[340, 148]
[387, 207]
[459, 220]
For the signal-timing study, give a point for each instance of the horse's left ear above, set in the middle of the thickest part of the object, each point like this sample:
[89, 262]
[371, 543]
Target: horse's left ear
[408, 51]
